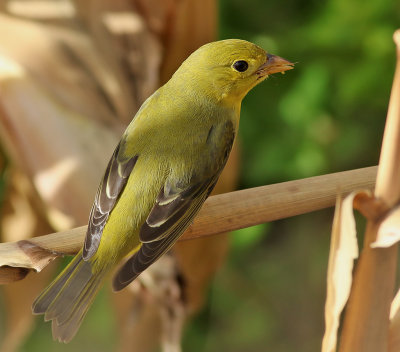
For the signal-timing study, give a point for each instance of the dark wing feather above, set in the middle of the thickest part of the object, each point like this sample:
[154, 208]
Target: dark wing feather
[169, 208]
[115, 178]
[161, 238]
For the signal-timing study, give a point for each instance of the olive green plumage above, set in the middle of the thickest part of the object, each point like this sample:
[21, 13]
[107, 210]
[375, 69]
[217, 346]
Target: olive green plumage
[162, 171]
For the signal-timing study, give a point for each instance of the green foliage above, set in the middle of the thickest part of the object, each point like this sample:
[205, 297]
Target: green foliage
[248, 237]
[328, 113]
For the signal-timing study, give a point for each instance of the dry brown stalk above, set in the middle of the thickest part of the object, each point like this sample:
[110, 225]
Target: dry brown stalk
[221, 213]
[366, 323]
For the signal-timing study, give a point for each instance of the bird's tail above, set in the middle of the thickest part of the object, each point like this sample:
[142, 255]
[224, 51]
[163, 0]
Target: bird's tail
[67, 299]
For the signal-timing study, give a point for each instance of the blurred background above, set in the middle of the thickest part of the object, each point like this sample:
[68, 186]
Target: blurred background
[267, 292]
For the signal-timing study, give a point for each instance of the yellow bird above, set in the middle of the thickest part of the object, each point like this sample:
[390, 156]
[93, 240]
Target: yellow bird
[163, 169]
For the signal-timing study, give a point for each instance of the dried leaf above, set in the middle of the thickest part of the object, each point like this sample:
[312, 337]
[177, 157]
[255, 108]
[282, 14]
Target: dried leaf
[24, 254]
[370, 207]
[343, 252]
[389, 230]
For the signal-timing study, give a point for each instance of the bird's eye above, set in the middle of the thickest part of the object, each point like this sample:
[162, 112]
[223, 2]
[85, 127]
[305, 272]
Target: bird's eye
[240, 65]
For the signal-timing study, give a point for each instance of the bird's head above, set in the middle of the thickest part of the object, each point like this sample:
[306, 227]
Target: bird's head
[228, 69]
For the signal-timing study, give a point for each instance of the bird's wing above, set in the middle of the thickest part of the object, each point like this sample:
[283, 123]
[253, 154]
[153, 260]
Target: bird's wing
[169, 218]
[175, 207]
[115, 178]
[172, 206]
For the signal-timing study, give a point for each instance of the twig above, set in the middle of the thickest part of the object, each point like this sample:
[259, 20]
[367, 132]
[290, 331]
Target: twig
[236, 210]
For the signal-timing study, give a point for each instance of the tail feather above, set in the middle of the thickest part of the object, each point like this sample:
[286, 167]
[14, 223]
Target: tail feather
[68, 298]
[65, 330]
[69, 295]
[83, 300]
[42, 302]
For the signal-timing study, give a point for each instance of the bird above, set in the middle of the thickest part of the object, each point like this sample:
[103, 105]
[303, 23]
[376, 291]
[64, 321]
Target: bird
[163, 169]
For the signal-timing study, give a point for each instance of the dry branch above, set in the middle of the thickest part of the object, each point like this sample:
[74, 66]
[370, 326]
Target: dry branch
[221, 213]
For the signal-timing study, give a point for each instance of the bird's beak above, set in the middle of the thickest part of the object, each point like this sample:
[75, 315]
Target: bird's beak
[274, 64]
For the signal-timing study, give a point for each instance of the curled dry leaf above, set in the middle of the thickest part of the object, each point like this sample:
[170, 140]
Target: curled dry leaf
[371, 207]
[343, 252]
[37, 252]
[389, 230]
[29, 256]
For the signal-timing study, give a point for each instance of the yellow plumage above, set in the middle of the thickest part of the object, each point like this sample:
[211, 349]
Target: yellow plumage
[160, 174]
